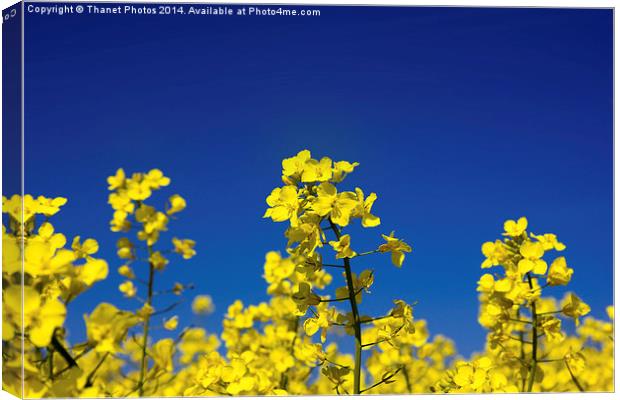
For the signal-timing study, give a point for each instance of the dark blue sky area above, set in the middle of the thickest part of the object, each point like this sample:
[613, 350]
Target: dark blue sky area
[460, 119]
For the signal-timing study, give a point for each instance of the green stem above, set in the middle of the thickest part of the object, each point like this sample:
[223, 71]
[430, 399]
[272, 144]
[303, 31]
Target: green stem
[407, 380]
[371, 320]
[91, 377]
[145, 326]
[367, 253]
[357, 327]
[62, 371]
[521, 339]
[284, 377]
[534, 363]
[50, 360]
[63, 352]
[382, 381]
[573, 377]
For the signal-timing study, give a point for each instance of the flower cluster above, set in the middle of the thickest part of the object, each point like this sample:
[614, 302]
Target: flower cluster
[314, 206]
[36, 292]
[294, 342]
[527, 347]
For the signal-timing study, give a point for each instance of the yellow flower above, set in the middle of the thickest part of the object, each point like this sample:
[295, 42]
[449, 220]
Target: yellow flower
[151, 219]
[336, 374]
[178, 289]
[41, 258]
[177, 204]
[317, 171]
[185, 247]
[515, 228]
[156, 179]
[397, 247]
[49, 206]
[119, 222]
[126, 271]
[138, 190]
[150, 238]
[14, 208]
[364, 207]
[281, 359]
[171, 323]
[107, 325]
[93, 271]
[559, 272]
[307, 234]
[276, 268]
[284, 205]
[158, 261]
[162, 353]
[203, 305]
[304, 295]
[469, 378]
[245, 384]
[574, 307]
[404, 312]
[552, 328]
[196, 341]
[321, 321]
[145, 311]
[46, 234]
[576, 362]
[89, 247]
[117, 180]
[26, 207]
[128, 289]
[495, 253]
[338, 206]
[294, 166]
[309, 353]
[121, 202]
[11, 255]
[341, 169]
[488, 284]
[40, 316]
[125, 248]
[532, 252]
[549, 241]
[342, 247]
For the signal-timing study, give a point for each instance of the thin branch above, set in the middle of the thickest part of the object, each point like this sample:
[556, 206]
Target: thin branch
[83, 353]
[91, 376]
[520, 320]
[358, 291]
[332, 300]
[530, 383]
[332, 265]
[573, 377]
[368, 321]
[374, 343]
[336, 364]
[367, 253]
[518, 339]
[63, 352]
[384, 380]
[550, 312]
[407, 380]
[167, 309]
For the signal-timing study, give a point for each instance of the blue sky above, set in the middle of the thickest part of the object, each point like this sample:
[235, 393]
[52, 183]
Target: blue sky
[460, 119]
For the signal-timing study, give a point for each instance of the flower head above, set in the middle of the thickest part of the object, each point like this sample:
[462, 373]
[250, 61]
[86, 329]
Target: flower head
[397, 247]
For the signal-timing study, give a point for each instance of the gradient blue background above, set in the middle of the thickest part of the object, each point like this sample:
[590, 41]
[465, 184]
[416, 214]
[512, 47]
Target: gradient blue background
[460, 118]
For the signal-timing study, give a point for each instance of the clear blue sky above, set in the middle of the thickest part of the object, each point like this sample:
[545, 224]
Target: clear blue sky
[460, 119]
